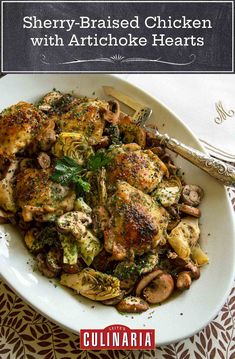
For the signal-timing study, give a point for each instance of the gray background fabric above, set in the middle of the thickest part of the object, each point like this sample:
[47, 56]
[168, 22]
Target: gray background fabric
[20, 55]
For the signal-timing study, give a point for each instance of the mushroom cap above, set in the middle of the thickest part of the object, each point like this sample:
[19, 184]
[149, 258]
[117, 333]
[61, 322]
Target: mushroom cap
[184, 280]
[74, 222]
[190, 210]
[194, 270]
[159, 289]
[44, 160]
[146, 280]
[192, 195]
[112, 113]
[54, 259]
[114, 301]
[43, 268]
[132, 305]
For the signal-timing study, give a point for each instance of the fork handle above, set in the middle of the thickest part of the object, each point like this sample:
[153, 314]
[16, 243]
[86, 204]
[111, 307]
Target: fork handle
[216, 168]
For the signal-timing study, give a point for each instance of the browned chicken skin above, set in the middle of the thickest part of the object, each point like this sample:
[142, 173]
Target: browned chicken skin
[41, 198]
[141, 168]
[21, 126]
[136, 224]
[87, 118]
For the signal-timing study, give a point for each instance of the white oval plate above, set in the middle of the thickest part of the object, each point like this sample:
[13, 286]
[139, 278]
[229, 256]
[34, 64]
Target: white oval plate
[176, 319]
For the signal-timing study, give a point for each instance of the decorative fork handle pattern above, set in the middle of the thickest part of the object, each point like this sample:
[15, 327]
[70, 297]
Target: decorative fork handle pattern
[216, 168]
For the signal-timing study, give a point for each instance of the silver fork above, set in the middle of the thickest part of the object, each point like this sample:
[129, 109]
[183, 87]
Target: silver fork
[217, 152]
[214, 167]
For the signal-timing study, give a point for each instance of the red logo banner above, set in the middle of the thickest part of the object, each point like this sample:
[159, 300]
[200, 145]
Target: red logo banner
[117, 337]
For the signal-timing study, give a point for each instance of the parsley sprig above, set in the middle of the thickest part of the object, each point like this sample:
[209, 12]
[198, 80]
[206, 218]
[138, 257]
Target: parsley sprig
[100, 159]
[68, 172]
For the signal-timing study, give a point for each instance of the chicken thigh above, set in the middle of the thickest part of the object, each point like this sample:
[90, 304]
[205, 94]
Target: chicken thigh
[22, 126]
[137, 223]
[41, 198]
[140, 168]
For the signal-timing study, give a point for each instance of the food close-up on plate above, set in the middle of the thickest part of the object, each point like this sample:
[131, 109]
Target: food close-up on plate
[100, 223]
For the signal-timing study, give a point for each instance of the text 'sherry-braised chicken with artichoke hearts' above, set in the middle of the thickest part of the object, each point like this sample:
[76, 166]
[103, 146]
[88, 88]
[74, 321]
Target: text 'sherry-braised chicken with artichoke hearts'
[99, 201]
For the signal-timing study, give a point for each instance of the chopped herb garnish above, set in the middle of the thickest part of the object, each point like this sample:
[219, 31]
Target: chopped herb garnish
[67, 171]
[82, 185]
[100, 159]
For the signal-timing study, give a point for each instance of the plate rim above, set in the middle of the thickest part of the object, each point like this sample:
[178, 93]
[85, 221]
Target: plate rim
[198, 146]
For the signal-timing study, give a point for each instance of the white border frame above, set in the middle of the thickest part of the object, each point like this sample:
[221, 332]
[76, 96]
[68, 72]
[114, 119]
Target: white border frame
[119, 1]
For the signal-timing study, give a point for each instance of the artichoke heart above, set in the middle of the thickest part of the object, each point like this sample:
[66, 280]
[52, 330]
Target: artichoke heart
[93, 284]
[89, 246]
[73, 145]
[184, 237]
[70, 248]
[168, 191]
[198, 256]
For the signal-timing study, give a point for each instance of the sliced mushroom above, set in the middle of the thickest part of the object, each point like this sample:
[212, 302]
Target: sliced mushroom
[44, 160]
[159, 289]
[132, 305]
[177, 264]
[167, 159]
[49, 100]
[172, 168]
[114, 301]
[127, 284]
[192, 195]
[191, 211]
[113, 112]
[174, 218]
[146, 280]
[54, 260]
[43, 268]
[194, 270]
[72, 268]
[183, 281]
[73, 222]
